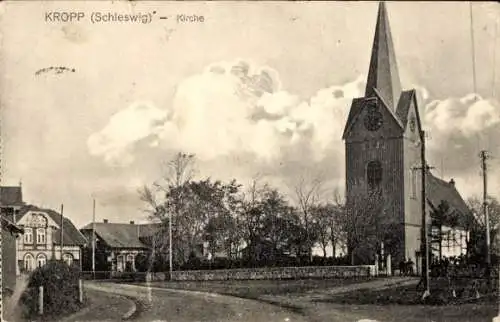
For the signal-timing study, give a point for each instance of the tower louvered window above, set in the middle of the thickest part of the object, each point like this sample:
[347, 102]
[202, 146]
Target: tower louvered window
[374, 174]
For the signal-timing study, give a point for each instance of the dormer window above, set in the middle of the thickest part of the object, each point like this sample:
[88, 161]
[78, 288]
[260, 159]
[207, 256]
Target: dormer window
[28, 235]
[41, 236]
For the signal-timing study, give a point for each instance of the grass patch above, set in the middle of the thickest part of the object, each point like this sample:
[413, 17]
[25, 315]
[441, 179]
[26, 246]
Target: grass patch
[441, 294]
[410, 313]
[255, 288]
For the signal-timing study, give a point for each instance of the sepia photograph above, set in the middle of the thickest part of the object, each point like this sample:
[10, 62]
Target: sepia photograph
[220, 161]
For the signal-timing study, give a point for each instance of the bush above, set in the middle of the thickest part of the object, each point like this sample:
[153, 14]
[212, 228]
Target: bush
[60, 290]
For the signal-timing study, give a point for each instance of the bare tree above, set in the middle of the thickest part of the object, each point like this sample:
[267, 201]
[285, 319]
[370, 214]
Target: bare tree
[308, 194]
[367, 222]
[338, 234]
[251, 219]
[328, 226]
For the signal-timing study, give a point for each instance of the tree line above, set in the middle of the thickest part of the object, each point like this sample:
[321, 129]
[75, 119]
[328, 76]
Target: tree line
[258, 225]
[255, 225]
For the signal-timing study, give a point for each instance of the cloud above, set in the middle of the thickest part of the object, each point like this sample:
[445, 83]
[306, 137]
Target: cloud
[465, 119]
[125, 128]
[459, 128]
[231, 108]
[239, 110]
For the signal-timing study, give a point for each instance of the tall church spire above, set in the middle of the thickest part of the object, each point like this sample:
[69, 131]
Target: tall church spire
[383, 73]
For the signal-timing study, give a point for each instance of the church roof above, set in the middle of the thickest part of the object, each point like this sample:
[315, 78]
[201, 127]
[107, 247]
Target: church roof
[383, 77]
[356, 106]
[383, 72]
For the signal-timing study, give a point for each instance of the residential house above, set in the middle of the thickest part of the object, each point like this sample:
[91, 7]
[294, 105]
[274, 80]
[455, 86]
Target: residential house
[450, 218]
[48, 235]
[11, 200]
[117, 244]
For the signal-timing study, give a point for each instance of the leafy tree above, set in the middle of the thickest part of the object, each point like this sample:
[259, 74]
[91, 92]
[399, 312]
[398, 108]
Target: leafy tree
[166, 200]
[477, 226]
[279, 218]
[200, 210]
[222, 230]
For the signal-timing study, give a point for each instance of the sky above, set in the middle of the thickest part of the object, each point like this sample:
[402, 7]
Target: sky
[255, 89]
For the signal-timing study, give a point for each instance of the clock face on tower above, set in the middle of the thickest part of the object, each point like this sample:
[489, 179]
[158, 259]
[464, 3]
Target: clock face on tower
[373, 118]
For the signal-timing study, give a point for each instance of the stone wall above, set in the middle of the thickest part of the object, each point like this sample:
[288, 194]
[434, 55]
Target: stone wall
[275, 273]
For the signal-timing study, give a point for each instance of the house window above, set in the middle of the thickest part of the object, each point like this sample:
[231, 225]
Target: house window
[374, 174]
[40, 236]
[130, 262]
[29, 262]
[120, 263]
[68, 259]
[28, 236]
[41, 260]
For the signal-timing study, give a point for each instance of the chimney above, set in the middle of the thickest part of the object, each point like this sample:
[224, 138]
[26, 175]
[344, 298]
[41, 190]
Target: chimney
[452, 182]
[132, 222]
[105, 221]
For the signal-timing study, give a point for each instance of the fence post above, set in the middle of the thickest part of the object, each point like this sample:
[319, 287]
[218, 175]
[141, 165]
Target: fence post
[388, 265]
[40, 300]
[80, 290]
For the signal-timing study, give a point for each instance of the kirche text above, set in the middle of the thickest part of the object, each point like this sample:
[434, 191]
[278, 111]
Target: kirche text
[190, 18]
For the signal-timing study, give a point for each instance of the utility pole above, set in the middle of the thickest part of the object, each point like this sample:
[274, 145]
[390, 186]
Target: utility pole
[62, 231]
[1, 265]
[170, 243]
[484, 156]
[93, 239]
[424, 243]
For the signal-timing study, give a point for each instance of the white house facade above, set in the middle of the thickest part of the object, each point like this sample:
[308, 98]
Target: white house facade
[44, 231]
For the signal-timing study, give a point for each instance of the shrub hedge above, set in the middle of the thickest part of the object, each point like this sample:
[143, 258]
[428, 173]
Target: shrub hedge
[60, 290]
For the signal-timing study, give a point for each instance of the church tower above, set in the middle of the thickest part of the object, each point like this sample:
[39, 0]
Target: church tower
[382, 145]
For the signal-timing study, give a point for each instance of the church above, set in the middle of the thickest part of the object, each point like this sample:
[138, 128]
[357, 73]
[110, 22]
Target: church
[383, 148]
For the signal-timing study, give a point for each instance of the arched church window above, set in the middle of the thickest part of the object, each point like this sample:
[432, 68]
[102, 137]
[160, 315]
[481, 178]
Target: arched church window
[374, 174]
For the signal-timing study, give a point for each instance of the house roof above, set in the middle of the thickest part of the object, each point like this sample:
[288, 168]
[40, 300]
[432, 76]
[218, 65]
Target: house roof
[118, 235]
[10, 226]
[11, 196]
[71, 235]
[439, 191]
